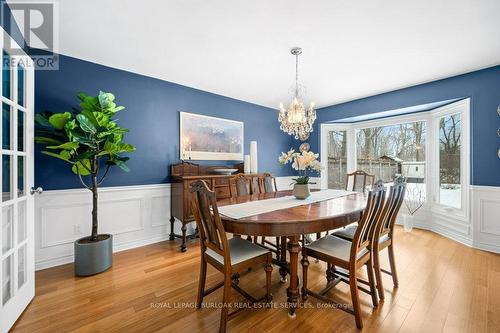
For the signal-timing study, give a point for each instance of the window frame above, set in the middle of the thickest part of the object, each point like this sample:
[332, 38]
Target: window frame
[431, 118]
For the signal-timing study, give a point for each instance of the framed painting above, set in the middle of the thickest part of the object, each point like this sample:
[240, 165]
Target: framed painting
[210, 138]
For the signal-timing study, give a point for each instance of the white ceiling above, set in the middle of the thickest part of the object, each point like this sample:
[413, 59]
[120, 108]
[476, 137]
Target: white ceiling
[240, 48]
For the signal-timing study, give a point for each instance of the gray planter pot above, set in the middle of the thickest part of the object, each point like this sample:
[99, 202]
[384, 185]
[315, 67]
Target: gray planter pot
[301, 191]
[93, 257]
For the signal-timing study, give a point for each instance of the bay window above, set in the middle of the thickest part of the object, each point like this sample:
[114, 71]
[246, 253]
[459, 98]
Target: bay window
[430, 149]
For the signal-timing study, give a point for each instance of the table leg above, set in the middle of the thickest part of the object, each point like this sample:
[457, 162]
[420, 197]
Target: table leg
[293, 290]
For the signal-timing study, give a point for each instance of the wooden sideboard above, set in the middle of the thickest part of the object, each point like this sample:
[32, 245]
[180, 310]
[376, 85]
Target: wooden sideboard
[185, 173]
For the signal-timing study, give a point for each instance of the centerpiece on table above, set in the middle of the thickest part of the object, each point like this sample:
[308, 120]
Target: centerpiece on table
[302, 162]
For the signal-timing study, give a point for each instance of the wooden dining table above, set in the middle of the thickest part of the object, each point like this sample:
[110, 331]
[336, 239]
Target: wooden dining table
[291, 223]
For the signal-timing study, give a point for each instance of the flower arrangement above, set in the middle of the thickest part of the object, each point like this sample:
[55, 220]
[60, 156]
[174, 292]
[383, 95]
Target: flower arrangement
[302, 162]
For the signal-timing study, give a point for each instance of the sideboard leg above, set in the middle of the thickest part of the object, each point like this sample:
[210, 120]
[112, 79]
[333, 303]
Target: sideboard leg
[183, 245]
[172, 234]
[293, 290]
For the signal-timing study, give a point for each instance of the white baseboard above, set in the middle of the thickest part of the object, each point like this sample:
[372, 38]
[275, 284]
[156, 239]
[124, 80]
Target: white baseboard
[43, 264]
[139, 215]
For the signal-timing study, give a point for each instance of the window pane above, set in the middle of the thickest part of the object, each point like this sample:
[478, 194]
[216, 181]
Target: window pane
[21, 221]
[6, 188]
[20, 176]
[6, 171]
[7, 283]
[20, 85]
[7, 228]
[450, 193]
[337, 159]
[6, 75]
[20, 130]
[6, 121]
[394, 150]
[21, 266]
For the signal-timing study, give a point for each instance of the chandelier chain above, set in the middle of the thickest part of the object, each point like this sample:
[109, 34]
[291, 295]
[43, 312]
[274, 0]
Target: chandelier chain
[296, 75]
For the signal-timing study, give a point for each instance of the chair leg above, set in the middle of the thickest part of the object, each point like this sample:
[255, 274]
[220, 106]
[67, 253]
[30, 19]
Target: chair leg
[371, 281]
[225, 303]
[353, 283]
[183, 244]
[330, 275]
[278, 252]
[269, 270]
[201, 283]
[378, 273]
[394, 273]
[282, 262]
[305, 266]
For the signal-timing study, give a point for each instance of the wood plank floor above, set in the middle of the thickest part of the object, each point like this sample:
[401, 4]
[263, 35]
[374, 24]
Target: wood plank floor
[444, 287]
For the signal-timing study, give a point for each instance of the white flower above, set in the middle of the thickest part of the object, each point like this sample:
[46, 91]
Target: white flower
[301, 161]
[284, 158]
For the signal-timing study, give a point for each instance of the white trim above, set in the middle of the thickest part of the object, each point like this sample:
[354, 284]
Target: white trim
[66, 259]
[463, 108]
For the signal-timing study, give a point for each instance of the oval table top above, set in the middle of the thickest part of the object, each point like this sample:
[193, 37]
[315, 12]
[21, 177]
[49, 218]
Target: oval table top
[309, 218]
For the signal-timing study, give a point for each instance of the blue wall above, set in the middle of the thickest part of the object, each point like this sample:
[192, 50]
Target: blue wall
[152, 115]
[483, 87]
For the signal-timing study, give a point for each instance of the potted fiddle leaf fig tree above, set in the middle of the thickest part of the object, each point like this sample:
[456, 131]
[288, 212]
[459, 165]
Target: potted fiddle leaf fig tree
[90, 140]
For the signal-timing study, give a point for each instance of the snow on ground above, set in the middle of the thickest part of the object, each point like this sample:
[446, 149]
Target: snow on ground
[447, 196]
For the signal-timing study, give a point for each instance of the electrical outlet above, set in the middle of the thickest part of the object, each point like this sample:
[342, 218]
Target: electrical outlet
[77, 229]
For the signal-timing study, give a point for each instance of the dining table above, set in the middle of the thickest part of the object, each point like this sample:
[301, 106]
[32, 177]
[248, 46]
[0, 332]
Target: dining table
[290, 224]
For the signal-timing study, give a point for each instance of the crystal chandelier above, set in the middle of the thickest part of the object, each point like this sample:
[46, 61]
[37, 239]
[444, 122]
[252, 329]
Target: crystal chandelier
[296, 120]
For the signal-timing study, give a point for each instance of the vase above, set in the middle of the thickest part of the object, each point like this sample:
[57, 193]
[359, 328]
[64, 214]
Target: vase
[93, 257]
[301, 191]
[408, 222]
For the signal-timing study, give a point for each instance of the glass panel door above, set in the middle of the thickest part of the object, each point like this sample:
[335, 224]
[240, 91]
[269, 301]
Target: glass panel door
[16, 172]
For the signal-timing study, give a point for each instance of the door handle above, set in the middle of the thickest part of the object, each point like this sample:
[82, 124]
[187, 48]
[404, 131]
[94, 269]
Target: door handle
[37, 190]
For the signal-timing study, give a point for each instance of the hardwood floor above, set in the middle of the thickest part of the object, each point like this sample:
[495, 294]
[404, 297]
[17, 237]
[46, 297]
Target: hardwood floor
[443, 287]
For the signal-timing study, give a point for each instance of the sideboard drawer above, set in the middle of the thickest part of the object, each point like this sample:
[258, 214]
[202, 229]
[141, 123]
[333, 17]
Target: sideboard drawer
[222, 192]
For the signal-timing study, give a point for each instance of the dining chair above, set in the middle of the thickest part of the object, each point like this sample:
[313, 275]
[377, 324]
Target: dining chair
[244, 185]
[228, 256]
[358, 181]
[350, 256]
[267, 184]
[385, 232]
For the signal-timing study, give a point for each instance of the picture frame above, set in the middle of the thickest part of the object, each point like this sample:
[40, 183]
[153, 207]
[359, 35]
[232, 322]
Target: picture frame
[210, 138]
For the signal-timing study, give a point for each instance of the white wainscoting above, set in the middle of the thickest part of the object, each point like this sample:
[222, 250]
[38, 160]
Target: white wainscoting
[485, 203]
[139, 215]
[481, 230]
[135, 215]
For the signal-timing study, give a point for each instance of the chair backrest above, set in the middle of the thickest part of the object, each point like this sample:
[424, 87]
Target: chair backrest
[366, 225]
[243, 184]
[255, 181]
[358, 181]
[267, 183]
[208, 220]
[391, 208]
